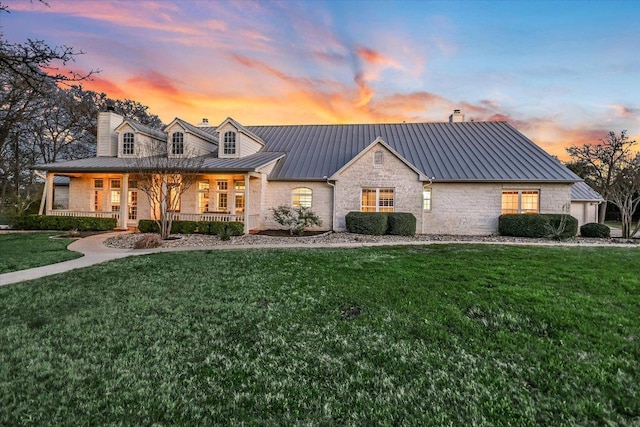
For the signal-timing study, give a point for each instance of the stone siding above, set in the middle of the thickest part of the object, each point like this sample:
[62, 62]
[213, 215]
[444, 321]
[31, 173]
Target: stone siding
[392, 174]
[279, 193]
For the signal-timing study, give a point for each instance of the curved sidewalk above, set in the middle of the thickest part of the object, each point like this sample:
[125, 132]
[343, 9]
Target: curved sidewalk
[95, 252]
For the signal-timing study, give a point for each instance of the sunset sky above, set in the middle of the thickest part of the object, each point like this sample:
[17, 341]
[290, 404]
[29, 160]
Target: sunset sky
[562, 72]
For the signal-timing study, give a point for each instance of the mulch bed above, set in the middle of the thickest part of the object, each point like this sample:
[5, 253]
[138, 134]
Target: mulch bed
[285, 233]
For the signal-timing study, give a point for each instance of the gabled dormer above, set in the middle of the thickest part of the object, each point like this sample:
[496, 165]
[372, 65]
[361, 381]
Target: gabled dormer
[184, 138]
[236, 140]
[135, 139]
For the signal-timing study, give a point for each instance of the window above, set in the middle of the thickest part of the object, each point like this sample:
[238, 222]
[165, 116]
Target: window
[222, 185]
[239, 203]
[203, 196]
[98, 194]
[426, 198]
[238, 184]
[173, 199]
[177, 143]
[127, 143]
[520, 201]
[98, 183]
[378, 159]
[132, 203]
[221, 202]
[115, 195]
[229, 143]
[301, 197]
[377, 200]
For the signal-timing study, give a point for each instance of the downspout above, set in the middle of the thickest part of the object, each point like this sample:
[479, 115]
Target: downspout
[333, 204]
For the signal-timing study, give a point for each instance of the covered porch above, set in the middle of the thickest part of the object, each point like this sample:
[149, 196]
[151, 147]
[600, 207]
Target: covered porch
[212, 197]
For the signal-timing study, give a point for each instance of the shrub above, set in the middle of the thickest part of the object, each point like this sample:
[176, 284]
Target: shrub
[374, 223]
[562, 226]
[523, 225]
[559, 226]
[236, 228]
[148, 226]
[295, 219]
[594, 229]
[225, 232]
[65, 223]
[184, 227]
[148, 241]
[401, 224]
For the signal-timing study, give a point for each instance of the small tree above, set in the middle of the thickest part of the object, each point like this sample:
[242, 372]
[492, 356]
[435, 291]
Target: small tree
[164, 179]
[295, 219]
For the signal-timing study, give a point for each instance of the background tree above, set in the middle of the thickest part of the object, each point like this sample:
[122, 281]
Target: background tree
[601, 163]
[164, 179]
[625, 194]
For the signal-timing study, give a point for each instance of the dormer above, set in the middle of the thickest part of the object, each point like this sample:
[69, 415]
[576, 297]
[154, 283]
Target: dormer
[185, 139]
[135, 139]
[236, 140]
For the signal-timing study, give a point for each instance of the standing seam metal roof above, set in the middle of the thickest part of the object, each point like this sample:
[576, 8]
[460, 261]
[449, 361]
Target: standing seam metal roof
[468, 151]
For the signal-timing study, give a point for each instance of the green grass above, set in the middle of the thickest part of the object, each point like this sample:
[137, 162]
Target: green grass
[419, 335]
[28, 250]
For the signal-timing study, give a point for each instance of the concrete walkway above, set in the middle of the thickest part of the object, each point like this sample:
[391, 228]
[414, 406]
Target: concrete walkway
[95, 252]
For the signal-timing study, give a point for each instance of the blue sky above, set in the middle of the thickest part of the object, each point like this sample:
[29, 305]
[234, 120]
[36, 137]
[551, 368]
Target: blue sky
[561, 72]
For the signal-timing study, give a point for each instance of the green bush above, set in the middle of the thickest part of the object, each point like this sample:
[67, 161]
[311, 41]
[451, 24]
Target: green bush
[296, 219]
[538, 225]
[184, 227]
[65, 223]
[401, 224]
[562, 226]
[234, 227]
[593, 229]
[148, 226]
[374, 223]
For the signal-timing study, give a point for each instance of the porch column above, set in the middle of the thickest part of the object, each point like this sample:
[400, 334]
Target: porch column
[124, 201]
[49, 185]
[246, 203]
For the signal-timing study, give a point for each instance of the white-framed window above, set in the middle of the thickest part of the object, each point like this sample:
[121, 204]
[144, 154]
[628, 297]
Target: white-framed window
[132, 203]
[229, 146]
[426, 198]
[98, 194]
[520, 201]
[203, 196]
[301, 197]
[238, 185]
[222, 201]
[114, 198]
[128, 146]
[377, 200]
[177, 143]
[239, 203]
[378, 159]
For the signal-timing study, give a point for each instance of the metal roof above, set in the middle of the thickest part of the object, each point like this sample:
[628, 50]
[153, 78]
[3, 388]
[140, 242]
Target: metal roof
[209, 164]
[138, 127]
[467, 151]
[207, 136]
[582, 192]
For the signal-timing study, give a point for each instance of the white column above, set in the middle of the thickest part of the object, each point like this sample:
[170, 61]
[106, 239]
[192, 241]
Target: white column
[49, 190]
[124, 201]
[246, 204]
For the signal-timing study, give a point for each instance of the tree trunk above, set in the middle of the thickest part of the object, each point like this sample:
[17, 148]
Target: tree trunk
[602, 212]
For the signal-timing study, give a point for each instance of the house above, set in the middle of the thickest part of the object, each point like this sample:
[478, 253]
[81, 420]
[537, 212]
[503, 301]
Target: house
[584, 203]
[456, 177]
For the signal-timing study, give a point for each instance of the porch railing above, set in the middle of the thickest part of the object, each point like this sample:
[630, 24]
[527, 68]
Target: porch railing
[91, 214]
[179, 216]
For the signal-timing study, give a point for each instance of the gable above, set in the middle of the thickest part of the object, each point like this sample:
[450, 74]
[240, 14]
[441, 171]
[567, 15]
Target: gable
[378, 156]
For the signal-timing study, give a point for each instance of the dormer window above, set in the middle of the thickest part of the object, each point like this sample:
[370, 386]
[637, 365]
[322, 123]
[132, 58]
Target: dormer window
[127, 143]
[229, 143]
[177, 143]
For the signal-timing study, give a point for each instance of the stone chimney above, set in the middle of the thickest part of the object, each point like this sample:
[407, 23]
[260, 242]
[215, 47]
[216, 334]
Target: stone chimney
[107, 138]
[456, 117]
[204, 123]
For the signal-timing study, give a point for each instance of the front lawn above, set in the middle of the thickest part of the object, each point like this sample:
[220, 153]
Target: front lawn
[28, 250]
[416, 335]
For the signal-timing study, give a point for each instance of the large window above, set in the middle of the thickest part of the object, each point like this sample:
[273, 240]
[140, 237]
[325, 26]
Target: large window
[377, 200]
[222, 196]
[229, 143]
[203, 196]
[115, 195]
[177, 143]
[301, 197]
[127, 143]
[98, 194]
[132, 203]
[520, 201]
